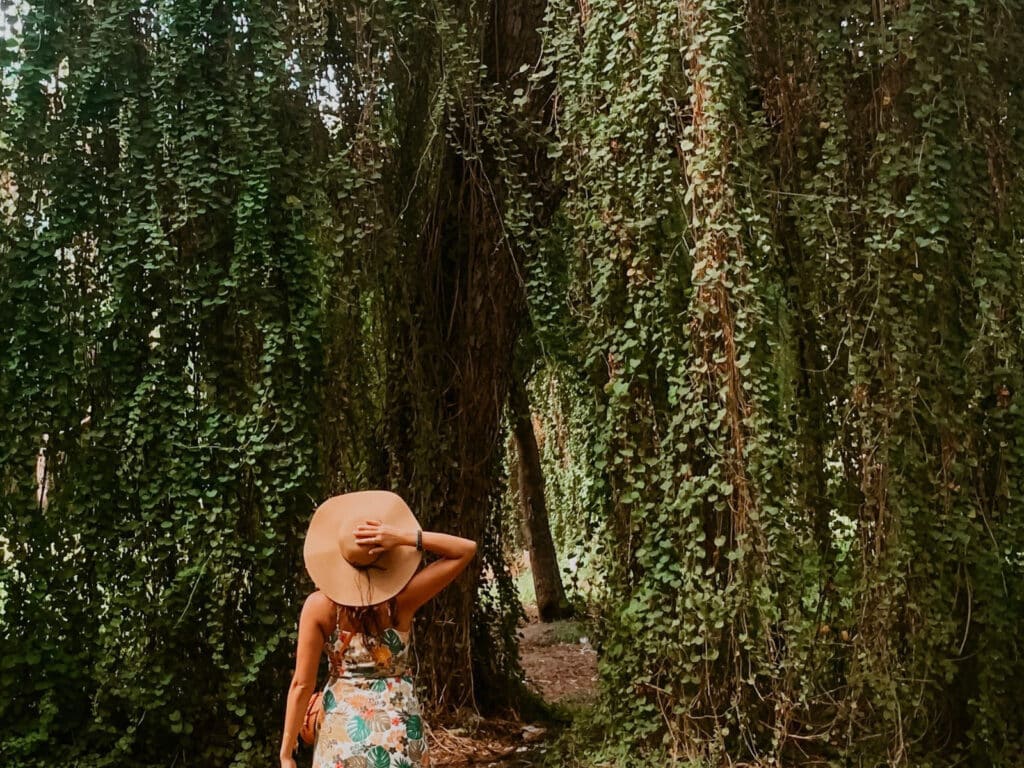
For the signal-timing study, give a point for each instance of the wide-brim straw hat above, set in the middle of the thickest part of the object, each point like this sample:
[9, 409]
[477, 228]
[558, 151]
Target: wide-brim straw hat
[345, 571]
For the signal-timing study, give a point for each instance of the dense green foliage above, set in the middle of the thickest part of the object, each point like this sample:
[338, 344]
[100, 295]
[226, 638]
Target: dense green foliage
[215, 313]
[255, 253]
[792, 273]
[162, 315]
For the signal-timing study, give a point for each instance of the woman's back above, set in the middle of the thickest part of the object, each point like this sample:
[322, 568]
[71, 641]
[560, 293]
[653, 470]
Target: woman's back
[358, 653]
[369, 588]
[370, 706]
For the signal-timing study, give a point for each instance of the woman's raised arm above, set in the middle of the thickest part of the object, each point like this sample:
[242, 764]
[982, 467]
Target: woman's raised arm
[455, 551]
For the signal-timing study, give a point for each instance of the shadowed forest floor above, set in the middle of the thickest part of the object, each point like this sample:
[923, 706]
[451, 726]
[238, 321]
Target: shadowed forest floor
[561, 665]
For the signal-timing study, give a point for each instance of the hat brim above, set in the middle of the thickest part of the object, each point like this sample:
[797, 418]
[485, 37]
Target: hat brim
[339, 579]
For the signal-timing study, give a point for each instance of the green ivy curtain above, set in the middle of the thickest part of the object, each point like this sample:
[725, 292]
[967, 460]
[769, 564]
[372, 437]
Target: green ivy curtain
[789, 267]
[164, 307]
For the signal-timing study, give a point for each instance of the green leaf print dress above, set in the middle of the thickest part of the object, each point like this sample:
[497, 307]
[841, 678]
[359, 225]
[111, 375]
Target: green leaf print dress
[371, 713]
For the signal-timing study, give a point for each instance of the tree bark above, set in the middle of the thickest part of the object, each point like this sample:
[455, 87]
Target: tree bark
[547, 581]
[467, 294]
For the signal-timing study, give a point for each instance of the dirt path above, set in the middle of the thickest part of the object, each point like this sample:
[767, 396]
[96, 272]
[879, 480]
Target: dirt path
[559, 661]
[561, 665]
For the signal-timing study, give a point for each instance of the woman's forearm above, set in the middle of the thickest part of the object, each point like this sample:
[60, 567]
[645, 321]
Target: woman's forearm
[295, 711]
[443, 544]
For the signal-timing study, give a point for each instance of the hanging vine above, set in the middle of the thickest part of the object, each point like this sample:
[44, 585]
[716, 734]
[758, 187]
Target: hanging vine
[782, 221]
[762, 261]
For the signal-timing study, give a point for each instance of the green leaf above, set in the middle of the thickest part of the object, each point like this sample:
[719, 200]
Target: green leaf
[379, 757]
[393, 640]
[414, 727]
[357, 728]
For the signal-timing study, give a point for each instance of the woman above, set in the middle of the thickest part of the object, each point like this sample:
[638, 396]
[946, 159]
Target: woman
[362, 551]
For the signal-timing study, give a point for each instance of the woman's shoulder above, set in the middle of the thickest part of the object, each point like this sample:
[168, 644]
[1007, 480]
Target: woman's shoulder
[322, 610]
[319, 603]
[318, 597]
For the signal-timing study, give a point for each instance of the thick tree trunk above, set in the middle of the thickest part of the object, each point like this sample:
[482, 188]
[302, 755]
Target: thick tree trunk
[547, 581]
[466, 290]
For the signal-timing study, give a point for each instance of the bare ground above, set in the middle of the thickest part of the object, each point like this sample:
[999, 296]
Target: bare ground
[561, 665]
[559, 661]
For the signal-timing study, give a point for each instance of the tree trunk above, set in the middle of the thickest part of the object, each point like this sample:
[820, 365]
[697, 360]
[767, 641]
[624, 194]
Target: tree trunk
[547, 581]
[466, 292]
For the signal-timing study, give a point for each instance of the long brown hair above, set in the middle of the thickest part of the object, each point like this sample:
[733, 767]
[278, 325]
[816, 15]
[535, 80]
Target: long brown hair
[367, 619]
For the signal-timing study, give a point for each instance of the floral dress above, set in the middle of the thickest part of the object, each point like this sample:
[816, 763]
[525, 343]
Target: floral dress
[371, 713]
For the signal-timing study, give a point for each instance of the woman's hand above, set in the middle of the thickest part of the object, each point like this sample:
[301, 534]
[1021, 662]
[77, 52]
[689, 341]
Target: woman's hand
[379, 537]
[288, 762]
